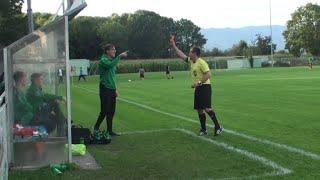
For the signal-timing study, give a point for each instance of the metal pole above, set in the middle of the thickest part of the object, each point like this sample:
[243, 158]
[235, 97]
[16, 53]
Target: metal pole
[68, 87]
[271, 46]
[69, 3]
[30, 18]
[8, 151]
[63, 8]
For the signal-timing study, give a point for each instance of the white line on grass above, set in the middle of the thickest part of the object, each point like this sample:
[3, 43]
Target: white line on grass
[279, 170]
[252, 138]
[251, 155]
[145, 131]
[288, 78]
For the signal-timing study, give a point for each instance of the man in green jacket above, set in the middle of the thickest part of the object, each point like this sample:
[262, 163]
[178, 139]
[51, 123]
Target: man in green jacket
[23, 110]
[46, 106]
[107, 86]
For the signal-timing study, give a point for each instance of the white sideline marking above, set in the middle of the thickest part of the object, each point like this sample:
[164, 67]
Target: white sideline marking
[252, 138]
[279, 170]
[288, 78]
[145, 131]
[251, 155]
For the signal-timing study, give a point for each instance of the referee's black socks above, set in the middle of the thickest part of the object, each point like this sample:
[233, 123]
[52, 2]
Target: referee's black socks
[214, 118]
[202, 118]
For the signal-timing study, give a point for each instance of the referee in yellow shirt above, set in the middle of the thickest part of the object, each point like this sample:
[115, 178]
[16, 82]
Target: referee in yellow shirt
[200, 73]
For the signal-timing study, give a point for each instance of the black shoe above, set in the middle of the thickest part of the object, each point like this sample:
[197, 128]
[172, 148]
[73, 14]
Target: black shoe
[113, 134]
[217, 131]
[202, 132]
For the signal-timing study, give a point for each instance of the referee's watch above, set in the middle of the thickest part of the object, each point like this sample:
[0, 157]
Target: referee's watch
[200, 83]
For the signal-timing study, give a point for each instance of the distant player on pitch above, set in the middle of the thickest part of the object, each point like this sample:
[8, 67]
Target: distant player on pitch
[141, 73]
[200, 73]
[168, 74]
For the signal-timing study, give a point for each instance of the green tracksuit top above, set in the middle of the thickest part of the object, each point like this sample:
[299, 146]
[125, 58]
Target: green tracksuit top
[23, 110]
[37, 97]
[107, 71]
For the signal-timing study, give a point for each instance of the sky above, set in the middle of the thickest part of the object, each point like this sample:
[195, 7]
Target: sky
[204, 13]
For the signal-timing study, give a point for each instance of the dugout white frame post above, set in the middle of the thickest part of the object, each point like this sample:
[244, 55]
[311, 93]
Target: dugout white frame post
[9, 106]
[3, 136]
[68, 87]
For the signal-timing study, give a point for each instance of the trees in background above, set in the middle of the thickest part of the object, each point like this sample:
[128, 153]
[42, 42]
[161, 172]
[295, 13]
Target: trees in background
[13, 23]
[303, 30]
[260, 46]
[84, 39]
[238, 49]
[145, 33]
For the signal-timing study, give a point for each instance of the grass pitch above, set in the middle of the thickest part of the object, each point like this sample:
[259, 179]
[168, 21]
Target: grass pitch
[270, 116]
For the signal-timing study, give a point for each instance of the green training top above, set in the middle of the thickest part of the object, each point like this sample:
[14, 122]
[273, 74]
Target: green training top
[37, 97]
[23, 110]
[107, 70]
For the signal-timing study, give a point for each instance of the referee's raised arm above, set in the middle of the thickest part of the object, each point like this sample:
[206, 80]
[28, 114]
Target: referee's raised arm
[177, 50]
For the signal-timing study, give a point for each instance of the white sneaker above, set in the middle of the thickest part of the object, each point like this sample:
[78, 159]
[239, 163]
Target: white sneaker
[202, 132]
[217, 131]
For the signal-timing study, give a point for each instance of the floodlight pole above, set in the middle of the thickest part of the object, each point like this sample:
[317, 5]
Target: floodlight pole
[271, 46]
[30, 17]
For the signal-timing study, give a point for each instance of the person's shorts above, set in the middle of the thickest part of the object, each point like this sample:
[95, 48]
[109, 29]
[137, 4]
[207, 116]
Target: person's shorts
[202, 97]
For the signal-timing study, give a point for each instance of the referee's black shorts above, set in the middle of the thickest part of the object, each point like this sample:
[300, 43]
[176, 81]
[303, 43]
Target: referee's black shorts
[202, 97]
